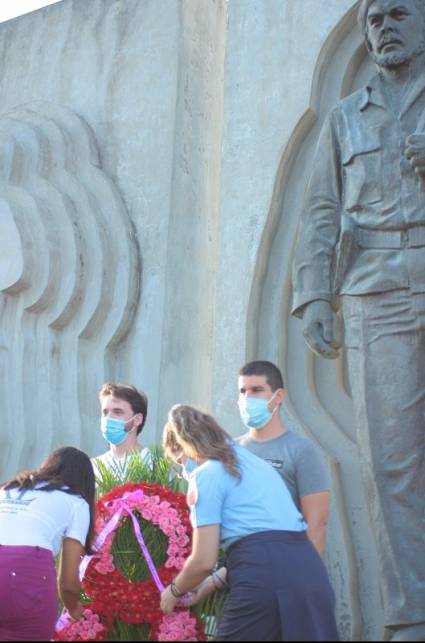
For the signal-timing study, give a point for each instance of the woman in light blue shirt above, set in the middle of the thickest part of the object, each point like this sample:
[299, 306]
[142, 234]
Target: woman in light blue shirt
[279, 589]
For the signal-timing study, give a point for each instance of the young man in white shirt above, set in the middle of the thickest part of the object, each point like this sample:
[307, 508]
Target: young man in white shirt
[123, 416]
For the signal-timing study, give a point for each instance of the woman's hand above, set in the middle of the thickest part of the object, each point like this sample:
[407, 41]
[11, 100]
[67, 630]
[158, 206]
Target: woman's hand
[168, 601]
[199, 593]
[77, 612]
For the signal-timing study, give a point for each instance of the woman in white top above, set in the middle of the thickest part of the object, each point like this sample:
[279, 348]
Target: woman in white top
[42, 513]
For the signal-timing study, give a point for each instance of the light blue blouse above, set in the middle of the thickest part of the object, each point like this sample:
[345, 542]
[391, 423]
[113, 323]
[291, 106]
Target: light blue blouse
[260, 501]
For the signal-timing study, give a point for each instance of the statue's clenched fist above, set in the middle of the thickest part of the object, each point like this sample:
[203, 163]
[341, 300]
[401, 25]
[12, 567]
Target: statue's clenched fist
[415, 152]
[319, 329]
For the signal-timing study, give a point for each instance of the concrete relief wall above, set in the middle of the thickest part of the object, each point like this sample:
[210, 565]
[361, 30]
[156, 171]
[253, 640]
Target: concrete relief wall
[151, 185]
[194, 226]
[113, 66]
[69, 281]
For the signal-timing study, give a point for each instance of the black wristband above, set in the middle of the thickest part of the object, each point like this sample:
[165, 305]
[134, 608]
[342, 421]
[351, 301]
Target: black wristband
[223, 584]
[174, 590]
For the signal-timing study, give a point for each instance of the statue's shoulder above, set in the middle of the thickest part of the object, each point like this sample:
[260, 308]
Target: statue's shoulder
[352, 102]
[356, 98]
[360, 98]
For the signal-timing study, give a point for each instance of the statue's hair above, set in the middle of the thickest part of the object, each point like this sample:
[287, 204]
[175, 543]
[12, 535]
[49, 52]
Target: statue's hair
[365, 6]
[198, 435]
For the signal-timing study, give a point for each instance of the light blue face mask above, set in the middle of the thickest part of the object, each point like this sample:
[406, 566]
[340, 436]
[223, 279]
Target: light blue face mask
[187, 468]
[113, 429]
[254, 411]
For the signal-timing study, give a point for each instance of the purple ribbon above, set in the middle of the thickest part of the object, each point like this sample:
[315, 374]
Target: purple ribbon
[122, 507]
[63, 620]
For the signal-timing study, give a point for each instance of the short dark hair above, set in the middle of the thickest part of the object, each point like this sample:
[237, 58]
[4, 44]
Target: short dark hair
[66, 469]
[270, 371]
[137, 399]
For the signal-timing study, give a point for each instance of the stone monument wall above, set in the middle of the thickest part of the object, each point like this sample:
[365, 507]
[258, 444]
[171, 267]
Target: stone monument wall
[155, 154]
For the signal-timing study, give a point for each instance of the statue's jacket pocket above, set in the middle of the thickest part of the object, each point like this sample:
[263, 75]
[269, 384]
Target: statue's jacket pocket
[362, 157]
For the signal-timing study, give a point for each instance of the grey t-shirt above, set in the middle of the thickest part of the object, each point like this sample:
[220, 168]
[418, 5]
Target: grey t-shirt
[296, 458]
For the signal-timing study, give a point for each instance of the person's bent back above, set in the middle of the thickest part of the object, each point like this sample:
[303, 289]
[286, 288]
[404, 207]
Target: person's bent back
[44, 512]
[279, 589]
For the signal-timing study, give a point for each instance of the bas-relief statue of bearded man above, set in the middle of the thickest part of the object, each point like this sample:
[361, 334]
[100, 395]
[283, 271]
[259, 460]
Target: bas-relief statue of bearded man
[361, 249]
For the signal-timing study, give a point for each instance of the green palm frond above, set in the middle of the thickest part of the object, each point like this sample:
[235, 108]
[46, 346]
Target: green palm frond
[136, 469]
[128, 632]
[210, 611]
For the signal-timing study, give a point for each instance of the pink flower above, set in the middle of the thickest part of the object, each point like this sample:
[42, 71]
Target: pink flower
[180, 626]
[164, 523]
[168, 531]
[173, 549]
[180, 563]
[104, 568]
[180, 530]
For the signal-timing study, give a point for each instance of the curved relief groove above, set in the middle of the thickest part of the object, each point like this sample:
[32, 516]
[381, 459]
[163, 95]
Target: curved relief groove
[35, 270]
[11, 251]
[74, 298]
[101, 198]
[255, 323]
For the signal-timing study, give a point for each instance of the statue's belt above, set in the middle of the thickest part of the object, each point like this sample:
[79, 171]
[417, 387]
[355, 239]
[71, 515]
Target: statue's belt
[409, 238]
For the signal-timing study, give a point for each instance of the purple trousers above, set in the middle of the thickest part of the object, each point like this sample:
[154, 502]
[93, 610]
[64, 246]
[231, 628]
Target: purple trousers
[28, 594]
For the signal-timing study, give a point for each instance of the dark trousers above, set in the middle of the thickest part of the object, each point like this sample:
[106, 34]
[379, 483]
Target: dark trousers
[279, 591]
[28, 595]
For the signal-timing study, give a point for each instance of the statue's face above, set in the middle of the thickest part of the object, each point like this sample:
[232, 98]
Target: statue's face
[395, 31]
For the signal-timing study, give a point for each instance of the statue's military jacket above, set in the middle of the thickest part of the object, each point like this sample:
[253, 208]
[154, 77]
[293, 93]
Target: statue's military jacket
[362, 228]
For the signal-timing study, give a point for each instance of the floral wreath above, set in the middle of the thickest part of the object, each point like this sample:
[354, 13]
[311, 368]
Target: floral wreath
[110, 594]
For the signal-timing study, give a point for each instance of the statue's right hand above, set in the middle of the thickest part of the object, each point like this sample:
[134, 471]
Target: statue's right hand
[319, 329]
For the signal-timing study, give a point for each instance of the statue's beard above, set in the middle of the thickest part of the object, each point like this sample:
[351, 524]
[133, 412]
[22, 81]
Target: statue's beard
[397, 58]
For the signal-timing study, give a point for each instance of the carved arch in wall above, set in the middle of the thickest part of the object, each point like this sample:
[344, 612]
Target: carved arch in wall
[319, 398]
[69, 282]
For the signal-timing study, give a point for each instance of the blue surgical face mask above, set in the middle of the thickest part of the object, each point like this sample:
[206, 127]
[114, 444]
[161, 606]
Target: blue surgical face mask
[254, 411]
[187, 468]
[113, 429]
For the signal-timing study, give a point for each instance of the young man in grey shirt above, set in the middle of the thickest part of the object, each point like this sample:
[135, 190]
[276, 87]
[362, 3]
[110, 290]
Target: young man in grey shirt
[298, 461]
[296, 458]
